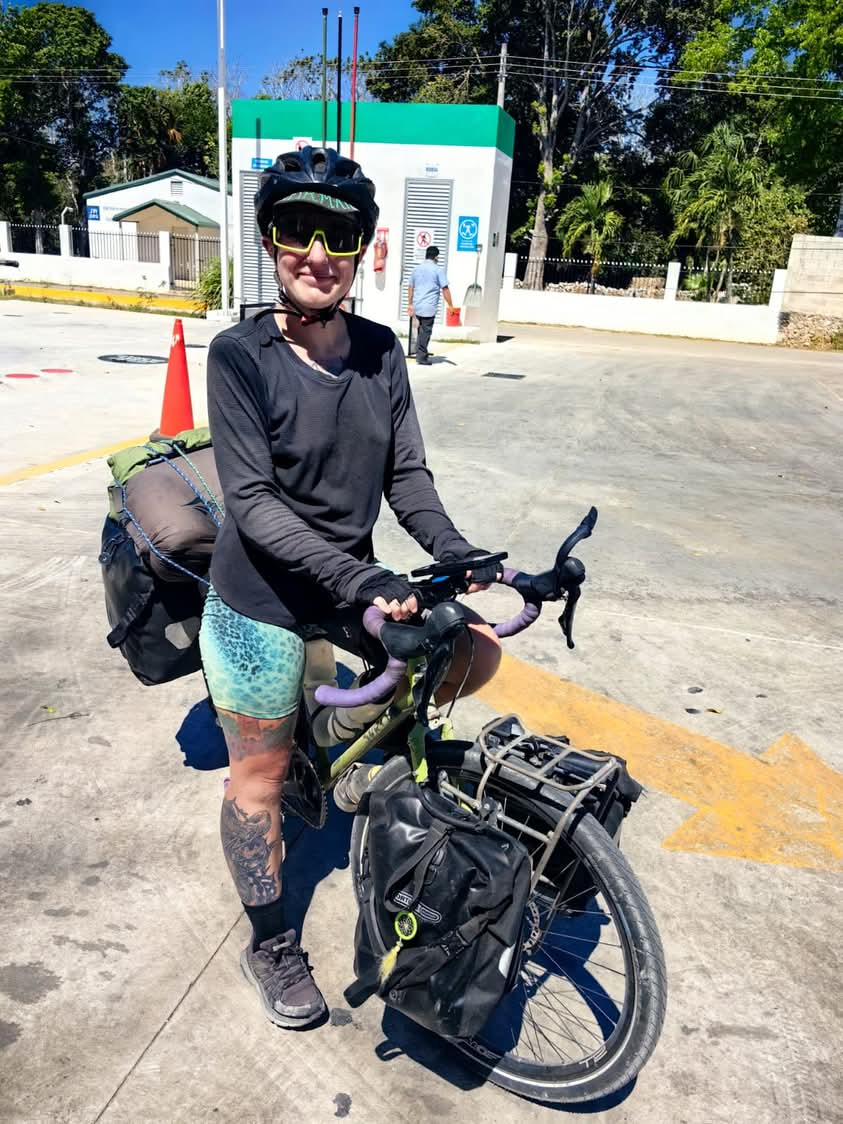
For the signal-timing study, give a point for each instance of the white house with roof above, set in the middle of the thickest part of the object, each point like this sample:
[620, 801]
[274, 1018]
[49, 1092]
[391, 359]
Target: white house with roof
[126, 221]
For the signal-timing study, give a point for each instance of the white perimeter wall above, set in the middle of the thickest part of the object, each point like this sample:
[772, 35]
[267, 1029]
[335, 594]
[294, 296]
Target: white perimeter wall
[99, 273]
[481, 187]
[734, 322]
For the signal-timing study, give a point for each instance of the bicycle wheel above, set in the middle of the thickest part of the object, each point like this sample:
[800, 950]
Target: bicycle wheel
[587, 1009]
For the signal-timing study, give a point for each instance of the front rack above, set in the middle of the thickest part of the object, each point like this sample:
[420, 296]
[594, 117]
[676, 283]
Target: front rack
[511, 756]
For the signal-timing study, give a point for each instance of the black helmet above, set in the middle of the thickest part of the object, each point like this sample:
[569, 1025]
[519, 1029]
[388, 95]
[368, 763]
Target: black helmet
[340, 178]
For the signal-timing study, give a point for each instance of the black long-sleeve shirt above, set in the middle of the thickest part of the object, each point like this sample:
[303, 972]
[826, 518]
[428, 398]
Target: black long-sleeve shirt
[304, 459]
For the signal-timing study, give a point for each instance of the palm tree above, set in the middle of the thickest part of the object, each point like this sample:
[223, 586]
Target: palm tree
[708, 192]
[588, 219]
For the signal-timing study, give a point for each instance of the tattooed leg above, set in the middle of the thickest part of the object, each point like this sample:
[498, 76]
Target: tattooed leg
[259, 752]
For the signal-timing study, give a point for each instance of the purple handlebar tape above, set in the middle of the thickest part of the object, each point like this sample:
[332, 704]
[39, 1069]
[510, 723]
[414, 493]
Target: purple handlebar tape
[378, 689]
[388, 680]
[520, 621]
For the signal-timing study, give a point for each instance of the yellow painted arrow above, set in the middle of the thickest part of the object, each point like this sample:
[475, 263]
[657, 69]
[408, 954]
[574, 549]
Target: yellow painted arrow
[785, 807]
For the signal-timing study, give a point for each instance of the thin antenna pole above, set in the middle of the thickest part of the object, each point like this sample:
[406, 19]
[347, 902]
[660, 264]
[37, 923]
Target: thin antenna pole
[324, 77]
[339, 82]
[502, 74]
[354, 81]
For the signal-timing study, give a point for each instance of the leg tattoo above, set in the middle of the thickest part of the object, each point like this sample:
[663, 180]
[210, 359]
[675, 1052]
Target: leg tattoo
[250, 855]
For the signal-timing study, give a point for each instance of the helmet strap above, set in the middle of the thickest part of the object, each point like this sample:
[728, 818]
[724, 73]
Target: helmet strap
[323, 316]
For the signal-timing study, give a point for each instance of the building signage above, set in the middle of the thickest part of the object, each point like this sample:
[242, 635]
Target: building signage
[468, 229]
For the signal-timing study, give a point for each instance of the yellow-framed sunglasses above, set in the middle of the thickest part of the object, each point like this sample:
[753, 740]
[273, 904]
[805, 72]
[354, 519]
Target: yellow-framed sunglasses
[340, 241]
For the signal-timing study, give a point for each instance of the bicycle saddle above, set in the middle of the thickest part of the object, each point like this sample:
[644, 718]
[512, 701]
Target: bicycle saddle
[405, 641]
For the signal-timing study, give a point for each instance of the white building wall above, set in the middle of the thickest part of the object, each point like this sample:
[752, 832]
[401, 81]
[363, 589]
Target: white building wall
[202, 199]
[734, 322]
[94, 273]
[481, 187]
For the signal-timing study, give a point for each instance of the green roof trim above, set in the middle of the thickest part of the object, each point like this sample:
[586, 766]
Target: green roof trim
[470, 126]
[177, 173]
[179, 210]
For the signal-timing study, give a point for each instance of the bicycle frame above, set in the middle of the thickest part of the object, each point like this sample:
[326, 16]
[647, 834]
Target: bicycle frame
[401, 708]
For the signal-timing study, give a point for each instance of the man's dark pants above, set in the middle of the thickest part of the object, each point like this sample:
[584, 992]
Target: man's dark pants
[423, 341]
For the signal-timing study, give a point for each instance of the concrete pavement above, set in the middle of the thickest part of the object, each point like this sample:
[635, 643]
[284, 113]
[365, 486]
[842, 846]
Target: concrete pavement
[715, 566]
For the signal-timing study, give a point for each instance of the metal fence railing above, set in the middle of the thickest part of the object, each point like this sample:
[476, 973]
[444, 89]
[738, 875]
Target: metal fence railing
[28, 238]
[717, 284]
[117, 245]
[614, 277]
[189, 254]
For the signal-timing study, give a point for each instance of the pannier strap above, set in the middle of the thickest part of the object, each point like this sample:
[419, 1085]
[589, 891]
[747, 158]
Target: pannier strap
[136, 607]
[419, 862]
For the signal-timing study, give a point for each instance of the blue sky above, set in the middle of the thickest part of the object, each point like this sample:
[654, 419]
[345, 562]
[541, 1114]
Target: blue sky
[154, 34]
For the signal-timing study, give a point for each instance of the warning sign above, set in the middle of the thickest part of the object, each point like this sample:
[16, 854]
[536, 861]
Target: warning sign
[423, 238]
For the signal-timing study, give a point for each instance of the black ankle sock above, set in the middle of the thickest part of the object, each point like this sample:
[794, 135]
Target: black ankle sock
[267, 921]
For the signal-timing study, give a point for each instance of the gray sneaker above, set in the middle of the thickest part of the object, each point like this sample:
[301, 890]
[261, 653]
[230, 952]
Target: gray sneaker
[283, 978]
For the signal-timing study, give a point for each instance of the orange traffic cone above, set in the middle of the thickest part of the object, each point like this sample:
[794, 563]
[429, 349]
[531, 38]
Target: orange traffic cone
[177, 411]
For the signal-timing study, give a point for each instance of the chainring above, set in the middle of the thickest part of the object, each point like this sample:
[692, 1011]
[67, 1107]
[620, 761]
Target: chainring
[303, 794]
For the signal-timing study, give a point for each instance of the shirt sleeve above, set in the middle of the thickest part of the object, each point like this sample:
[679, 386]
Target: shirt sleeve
[238, 416]
[409, 487]
[443, 279]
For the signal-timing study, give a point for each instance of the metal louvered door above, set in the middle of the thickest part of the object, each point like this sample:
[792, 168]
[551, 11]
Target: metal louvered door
[427, 221]
[258, 274]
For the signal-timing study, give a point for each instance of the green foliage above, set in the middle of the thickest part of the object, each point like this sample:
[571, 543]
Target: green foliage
[208, 290]
[768, 222]
[710, 191]
[756, 44]
[591, 222]
[54, 131]
[174, 126]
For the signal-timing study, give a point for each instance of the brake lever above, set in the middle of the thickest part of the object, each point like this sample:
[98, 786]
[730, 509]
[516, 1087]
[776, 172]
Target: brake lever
[566, 620]
[570, 576]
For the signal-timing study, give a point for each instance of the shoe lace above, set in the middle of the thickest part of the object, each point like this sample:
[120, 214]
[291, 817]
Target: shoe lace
[290, 960]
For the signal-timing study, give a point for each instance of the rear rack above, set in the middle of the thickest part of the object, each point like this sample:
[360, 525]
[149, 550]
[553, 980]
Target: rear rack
[511, 756]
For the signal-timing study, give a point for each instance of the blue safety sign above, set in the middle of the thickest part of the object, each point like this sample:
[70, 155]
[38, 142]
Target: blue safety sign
[259, 162]
[468, 228]
[92, 214]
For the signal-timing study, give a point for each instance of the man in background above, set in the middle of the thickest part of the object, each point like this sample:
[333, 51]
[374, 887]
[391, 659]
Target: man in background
[426, 282]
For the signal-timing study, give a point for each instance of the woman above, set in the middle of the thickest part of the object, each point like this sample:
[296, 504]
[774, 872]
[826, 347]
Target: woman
[313, 422]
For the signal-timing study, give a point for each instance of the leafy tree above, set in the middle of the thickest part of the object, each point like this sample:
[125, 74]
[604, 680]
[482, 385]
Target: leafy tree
[174, 126]
[711, 193]
[787, 58]
[56, 106]
[569, 86]
[590, 221]
[768, 222]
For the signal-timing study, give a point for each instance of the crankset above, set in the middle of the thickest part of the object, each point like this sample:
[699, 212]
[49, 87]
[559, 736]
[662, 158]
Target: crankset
[303, 794]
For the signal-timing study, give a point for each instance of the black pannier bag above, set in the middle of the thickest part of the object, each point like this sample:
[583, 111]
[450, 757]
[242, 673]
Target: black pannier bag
[440, 928]
[155, 624]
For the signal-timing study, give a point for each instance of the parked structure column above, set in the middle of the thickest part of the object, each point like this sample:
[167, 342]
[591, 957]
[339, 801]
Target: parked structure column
[164, 256]
[65, 241]
[5, 238]
[510, 265]
[671, 284]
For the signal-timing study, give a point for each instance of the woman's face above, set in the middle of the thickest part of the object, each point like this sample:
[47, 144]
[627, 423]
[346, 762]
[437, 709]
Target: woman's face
[313, 278]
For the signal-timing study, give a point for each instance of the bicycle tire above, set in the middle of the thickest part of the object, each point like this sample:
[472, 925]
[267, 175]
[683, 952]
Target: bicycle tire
[617, 1067]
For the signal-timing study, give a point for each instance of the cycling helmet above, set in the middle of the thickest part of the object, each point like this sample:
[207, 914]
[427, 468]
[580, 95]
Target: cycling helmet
[335, 175]
[292, 177]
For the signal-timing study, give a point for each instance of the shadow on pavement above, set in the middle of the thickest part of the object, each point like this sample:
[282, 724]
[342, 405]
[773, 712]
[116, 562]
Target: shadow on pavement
[201, 740]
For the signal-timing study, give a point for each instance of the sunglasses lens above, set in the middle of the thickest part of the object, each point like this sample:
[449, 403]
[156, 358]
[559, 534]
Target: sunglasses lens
[296, 231]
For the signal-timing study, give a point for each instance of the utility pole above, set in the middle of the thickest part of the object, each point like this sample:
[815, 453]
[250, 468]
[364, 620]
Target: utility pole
[222, 142]
[502, 73]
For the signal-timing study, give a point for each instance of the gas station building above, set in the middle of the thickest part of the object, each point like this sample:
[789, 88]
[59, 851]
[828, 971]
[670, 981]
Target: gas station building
[442, 174]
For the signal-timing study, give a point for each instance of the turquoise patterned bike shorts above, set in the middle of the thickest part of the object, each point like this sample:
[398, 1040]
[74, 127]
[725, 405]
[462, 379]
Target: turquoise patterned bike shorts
[251, 668]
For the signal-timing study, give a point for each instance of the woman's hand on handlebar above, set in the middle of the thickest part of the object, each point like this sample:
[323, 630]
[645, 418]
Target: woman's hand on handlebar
[397, 610]
[392, 594]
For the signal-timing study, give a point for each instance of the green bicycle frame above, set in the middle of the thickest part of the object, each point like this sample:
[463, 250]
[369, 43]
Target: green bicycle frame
[399, 710]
